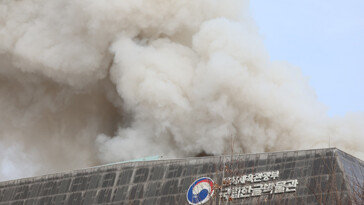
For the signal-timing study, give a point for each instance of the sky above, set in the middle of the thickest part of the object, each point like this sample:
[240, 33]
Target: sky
[325, 38]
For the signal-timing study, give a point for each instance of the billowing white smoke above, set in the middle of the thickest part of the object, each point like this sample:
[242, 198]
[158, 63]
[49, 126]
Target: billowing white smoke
[88, 82]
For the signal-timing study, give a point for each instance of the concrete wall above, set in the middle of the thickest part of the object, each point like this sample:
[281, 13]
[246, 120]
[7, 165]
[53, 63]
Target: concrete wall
[320, 175]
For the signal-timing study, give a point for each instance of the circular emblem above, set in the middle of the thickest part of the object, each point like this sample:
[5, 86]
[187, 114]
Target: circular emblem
[200, 191]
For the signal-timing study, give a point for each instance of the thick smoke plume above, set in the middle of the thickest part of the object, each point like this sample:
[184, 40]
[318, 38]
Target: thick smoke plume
[88, 82]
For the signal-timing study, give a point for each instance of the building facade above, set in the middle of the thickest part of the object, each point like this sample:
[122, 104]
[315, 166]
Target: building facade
[321, 176]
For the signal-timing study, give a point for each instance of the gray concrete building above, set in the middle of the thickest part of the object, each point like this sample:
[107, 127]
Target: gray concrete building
[321, 176]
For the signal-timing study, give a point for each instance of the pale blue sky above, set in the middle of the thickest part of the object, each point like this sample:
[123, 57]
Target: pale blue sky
[323, 37]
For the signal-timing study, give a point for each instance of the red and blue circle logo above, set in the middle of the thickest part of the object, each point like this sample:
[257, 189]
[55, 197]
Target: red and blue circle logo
[200, 191]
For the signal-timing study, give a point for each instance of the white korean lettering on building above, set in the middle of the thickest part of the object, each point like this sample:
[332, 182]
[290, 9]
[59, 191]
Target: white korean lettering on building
[255, 185]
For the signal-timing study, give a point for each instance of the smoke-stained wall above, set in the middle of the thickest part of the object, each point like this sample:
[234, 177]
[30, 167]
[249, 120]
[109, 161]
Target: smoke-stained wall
[89, 82]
